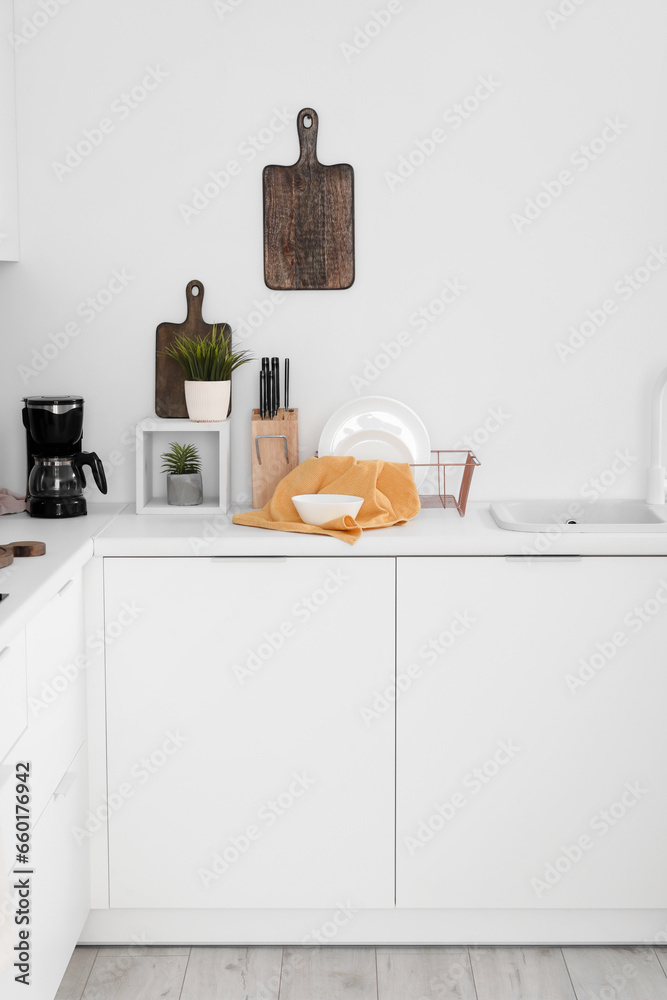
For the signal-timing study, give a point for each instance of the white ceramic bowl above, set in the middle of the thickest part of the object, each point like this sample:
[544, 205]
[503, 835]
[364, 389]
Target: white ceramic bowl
[318, 508]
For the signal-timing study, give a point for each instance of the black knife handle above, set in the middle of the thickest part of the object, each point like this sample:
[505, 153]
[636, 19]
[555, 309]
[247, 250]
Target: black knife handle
[275, 371]
[270, 392]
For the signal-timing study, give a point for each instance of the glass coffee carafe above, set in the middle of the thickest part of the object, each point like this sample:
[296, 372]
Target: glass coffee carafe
[64, 478]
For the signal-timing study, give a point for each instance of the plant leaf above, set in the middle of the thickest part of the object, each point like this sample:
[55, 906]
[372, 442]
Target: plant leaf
[208, 358]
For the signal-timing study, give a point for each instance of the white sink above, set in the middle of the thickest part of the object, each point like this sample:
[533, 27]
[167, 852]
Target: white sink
[576, 515]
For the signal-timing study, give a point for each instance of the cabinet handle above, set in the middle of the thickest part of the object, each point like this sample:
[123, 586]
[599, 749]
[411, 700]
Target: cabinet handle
[543, 559]
[63, 590]
[65, 785]
[5, 652]
[249, 559]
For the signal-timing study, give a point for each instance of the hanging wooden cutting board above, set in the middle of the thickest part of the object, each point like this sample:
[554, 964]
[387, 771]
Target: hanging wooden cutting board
[169, 377]
[308, 218]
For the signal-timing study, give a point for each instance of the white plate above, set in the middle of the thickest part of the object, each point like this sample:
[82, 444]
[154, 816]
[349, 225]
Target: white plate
[377, 428]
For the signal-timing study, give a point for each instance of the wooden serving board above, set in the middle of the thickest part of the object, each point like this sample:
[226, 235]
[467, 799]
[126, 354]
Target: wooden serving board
[20, 550]
[169, 377]
[308, 219]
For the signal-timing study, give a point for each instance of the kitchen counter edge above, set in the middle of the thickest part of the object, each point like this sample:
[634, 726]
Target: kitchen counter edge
[32, 582]
[434, 532]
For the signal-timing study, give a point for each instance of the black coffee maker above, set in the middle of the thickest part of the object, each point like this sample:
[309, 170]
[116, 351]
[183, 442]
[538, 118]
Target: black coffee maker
[54, 429]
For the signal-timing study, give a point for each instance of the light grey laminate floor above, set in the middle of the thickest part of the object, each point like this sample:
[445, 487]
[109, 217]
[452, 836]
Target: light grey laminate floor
[138, 973]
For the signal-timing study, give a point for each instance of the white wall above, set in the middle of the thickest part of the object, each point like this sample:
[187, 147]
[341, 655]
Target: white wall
[228, 66]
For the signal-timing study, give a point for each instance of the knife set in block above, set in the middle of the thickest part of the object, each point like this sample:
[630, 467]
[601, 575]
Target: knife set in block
[275, 452]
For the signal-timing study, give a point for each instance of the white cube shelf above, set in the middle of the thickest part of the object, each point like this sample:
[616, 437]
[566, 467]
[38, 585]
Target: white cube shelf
[154, 435]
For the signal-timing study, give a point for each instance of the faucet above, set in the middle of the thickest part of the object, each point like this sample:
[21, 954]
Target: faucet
[657, 474]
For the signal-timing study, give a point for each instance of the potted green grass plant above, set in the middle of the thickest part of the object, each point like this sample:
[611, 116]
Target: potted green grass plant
[207, 363]
[183, 467]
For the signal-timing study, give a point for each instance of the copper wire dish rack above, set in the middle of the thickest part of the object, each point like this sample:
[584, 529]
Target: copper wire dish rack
[447, 470]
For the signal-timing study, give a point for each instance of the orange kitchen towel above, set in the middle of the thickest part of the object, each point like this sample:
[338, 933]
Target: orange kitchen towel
[388, 488]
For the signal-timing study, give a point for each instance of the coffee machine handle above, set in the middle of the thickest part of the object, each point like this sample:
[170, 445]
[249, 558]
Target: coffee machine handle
[92, 459]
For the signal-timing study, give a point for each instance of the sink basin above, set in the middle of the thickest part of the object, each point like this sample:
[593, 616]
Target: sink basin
[576, 515]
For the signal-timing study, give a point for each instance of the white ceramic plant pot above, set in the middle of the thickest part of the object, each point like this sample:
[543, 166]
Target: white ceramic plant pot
[207, 402]
[184, 490]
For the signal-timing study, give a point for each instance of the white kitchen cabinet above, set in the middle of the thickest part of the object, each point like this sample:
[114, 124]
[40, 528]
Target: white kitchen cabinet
[531, 743]
[9, 228]
[13, 688]
[52, 655]
[61, 898]
[13, 722]
[56, 888]
[56, 658]
[241, 772]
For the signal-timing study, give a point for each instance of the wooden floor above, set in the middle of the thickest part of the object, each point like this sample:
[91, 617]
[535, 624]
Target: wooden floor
[366, 974]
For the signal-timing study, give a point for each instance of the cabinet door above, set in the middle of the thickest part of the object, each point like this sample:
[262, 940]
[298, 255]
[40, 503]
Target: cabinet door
[241, 770]
[531, 741]
[9, 228]
[57, 888]
[13, 693]
[56, 661]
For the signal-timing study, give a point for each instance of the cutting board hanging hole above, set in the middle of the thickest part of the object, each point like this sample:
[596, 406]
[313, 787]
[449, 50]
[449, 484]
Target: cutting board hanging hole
[307, 129]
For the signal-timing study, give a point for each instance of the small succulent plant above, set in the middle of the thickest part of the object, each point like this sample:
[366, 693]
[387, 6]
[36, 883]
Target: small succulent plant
[181, 459]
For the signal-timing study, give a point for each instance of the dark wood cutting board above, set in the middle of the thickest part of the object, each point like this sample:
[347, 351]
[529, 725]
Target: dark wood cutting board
[169, 377]
[308, 218]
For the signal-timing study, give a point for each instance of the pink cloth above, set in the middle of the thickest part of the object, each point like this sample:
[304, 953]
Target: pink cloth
[11, 503]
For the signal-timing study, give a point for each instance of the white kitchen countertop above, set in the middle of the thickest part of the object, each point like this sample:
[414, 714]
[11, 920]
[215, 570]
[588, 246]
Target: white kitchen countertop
[31, 582]
[113, 529]
[432, 532]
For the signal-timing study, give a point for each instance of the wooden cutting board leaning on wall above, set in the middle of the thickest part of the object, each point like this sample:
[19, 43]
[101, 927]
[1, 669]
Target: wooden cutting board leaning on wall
[169, 377]
[308, 218]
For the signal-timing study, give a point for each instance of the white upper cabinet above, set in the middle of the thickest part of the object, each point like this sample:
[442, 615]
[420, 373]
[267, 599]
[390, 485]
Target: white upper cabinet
[9, 214]
[242, 772]
[531, 738]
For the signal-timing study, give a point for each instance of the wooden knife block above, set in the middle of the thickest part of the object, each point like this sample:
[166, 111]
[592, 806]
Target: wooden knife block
[270, 464]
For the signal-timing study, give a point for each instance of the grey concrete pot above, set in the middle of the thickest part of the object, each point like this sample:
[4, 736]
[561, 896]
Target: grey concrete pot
[185, 490]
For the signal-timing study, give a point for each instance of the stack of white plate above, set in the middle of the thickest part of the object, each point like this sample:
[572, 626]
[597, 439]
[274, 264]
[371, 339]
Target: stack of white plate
[374, 427]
